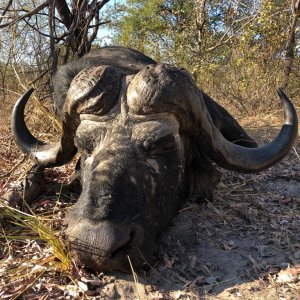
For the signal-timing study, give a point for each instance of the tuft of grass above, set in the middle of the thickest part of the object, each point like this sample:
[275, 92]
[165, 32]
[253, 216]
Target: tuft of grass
[135, 278]
[50, 256]
[35, 227]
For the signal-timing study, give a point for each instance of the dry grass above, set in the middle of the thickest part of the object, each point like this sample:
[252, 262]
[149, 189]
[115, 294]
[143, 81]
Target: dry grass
[43, 252]
[244, 244]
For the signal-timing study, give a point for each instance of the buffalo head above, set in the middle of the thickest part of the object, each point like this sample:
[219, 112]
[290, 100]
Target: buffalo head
[143, 138]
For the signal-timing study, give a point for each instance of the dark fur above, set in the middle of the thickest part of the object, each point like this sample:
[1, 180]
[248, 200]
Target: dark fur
[129, 60]
[141, 152]
[132, 61]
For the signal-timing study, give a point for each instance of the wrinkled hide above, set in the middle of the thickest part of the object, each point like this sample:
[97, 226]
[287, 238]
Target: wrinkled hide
[148, 139]
[133, 172]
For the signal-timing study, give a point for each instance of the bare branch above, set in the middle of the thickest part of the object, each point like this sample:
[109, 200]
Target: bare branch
[100, 4]
[51, 23]
[224, 41]
[38, 78]
[56, 38]
[290, 45]
[5, 10]
[64, 12]
[27, 15]
[200, 18]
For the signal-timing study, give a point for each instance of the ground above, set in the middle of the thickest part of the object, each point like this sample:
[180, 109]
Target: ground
[244, 244]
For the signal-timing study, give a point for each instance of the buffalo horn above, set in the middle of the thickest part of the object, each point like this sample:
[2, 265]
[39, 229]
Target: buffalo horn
[247, 160]
[48, 155]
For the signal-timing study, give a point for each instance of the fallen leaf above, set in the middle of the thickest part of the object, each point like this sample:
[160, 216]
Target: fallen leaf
[82, 285]
[287, 276]
[169, 262]
[229, 245]
[193, 261]
[210, 279]
[297, 254]
[177, 294]
[274, 270]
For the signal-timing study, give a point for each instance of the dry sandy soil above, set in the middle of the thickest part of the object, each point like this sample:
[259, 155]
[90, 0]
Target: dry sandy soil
[245, 244]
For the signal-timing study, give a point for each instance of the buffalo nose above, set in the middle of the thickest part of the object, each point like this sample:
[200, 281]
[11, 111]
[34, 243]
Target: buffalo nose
[103, 246]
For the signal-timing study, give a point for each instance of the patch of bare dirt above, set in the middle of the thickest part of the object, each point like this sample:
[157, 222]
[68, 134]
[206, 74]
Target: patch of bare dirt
[245, 244]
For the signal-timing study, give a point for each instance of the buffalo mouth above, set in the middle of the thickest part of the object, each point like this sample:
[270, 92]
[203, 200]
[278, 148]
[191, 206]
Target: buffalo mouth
[105, 246]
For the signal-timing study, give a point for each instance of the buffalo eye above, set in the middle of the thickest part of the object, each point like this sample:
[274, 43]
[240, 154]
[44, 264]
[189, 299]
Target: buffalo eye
[161, 146]
[84, 145]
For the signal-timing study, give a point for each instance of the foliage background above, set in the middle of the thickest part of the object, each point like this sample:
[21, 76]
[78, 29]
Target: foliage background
[239, 51]
[236, 50]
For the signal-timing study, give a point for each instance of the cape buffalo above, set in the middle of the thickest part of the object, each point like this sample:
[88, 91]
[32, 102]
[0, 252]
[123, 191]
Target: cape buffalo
[148, 138]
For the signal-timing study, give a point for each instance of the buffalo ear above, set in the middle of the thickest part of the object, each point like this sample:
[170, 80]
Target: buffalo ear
[227, 124]
[203, 176]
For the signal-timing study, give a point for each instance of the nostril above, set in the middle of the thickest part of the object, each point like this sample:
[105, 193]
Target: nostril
[124, 247]
[135, 238]
[131, 236]
[104, 245]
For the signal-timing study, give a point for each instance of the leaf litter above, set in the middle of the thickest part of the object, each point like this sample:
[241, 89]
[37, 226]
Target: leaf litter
[244, 244]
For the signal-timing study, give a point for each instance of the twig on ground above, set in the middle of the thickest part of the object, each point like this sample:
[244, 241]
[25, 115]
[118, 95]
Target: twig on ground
[13, 168]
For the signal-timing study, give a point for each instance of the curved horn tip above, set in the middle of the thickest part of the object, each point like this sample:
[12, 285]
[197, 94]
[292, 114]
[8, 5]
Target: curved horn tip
[30, 90]
[290, 115]
[28, 93]
[282, 94]
[21, 102]
[47, 155]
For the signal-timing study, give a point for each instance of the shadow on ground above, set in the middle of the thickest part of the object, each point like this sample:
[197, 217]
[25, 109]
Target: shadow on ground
[230, 248]
[233, 246]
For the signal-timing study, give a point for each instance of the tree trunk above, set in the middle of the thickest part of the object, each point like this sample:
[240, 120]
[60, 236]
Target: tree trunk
[290, 45]
[200, 19]
[64, 12]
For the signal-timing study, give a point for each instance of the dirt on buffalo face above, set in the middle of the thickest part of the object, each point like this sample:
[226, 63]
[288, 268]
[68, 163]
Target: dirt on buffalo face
[245, 237]
[244, 244]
